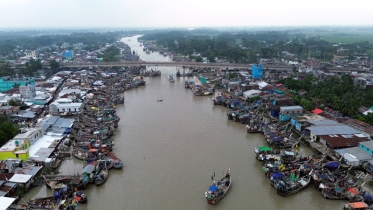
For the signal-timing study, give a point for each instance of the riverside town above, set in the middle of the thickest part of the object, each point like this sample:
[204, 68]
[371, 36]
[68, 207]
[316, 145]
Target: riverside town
[194, 115]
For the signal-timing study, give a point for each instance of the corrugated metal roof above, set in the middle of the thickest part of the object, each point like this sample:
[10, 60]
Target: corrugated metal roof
[356, 152]
[291, 107]
[368, 144]
[63, 123]
[20, 178]
[5, 202]
[330, 130]
[324, 122]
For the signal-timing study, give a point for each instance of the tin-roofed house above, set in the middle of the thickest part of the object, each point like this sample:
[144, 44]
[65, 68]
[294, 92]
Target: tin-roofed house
[287, 112]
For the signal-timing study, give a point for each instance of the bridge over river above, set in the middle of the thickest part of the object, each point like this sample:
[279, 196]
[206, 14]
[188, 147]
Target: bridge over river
[229, 66]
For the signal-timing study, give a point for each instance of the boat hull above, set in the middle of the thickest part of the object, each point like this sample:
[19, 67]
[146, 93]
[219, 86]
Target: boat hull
[215, 199]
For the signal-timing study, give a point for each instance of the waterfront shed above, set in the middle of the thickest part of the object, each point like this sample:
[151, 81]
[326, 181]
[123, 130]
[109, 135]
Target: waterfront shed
[286, 112]
[354, 155]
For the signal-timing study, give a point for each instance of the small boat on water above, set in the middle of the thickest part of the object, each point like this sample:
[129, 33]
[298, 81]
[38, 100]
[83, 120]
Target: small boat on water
[102, 176]
[217, 191]
[171, 78]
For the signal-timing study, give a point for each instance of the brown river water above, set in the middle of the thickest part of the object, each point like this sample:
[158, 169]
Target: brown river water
[170, 150]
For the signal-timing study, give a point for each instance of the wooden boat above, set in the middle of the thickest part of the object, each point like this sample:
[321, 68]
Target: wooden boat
[171, 78]
[217, 191]
[356, 206]
[117, 162]
[91, 154]
[105, 161]
[102, 176]
[54, 185]
[253, 129]
[290, 187]
[80, 197]
[43, 203]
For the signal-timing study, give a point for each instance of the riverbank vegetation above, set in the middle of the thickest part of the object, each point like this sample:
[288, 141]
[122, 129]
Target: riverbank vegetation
[339, 94]
[110, 54]
[7, 130]
[32, 40]
[249, 46]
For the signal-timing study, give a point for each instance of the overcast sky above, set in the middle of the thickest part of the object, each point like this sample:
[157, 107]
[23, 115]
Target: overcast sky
[183, 13]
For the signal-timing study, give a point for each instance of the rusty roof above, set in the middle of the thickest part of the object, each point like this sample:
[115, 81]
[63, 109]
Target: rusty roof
[338, 141]
[5, 176]
[362, 109]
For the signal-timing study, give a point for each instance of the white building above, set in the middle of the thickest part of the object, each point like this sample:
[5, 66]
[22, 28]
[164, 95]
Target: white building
[4, 98]
[32, 54]
[27, 92]
[65, 105]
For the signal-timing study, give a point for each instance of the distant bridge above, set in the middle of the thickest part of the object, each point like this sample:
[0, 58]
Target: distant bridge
[230, 66]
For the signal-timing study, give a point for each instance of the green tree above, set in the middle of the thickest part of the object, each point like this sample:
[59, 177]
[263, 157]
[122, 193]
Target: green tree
[211, 58]
[54, 65]
[198, 59]
[14, 102]
[9, 129]
[5, 69]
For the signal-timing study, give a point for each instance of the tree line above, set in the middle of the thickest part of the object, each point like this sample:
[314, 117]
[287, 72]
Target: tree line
[7, 130]
[339, 94]
[247, 47]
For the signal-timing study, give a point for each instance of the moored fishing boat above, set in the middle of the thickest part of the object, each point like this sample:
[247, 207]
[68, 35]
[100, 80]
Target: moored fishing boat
[91, 154]
[80, 197]
[292, 186]
[117, 162]
[217, 191]
[356, 206]
[102, 176]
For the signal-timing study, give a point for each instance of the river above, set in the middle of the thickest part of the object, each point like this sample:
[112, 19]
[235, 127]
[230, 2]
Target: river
[170, 150]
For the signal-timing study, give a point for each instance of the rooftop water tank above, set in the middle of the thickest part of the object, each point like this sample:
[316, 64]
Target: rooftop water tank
[16, 142]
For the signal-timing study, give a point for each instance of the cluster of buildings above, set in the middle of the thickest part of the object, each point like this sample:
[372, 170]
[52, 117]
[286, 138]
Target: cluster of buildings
[327, 131]
[67, 53]
[43, 131]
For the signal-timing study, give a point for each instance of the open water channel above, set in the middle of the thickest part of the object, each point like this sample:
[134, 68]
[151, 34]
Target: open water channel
[170, 150]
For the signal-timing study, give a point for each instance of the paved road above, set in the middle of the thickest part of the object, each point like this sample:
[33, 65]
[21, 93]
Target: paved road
[195, 64]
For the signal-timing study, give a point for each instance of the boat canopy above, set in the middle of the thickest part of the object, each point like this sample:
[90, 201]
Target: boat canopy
[323, 176]
[277, 175]
[88, 169]
[332, 165]
[279, 138]
[353, 191]
[358, 205]
[290, 153]
[263, 149]
[213, 188]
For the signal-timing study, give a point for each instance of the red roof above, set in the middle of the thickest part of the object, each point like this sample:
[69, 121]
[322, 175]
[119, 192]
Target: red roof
[317, 111]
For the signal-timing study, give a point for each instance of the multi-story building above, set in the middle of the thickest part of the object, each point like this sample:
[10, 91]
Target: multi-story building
[7, 84]
[27, 91]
